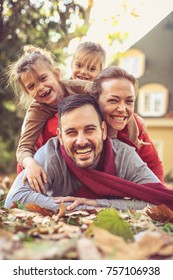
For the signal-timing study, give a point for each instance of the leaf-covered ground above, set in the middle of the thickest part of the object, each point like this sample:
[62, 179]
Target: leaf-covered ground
[85, 235]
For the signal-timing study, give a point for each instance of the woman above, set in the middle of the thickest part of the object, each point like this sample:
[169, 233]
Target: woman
[116, 91]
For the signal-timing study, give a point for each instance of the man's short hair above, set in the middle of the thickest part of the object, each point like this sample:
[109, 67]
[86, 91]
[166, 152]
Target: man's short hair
[76, 101]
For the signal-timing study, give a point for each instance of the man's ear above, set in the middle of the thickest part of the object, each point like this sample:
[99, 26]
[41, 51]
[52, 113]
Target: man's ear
[59, 134]
[57, 73]
[104, 130]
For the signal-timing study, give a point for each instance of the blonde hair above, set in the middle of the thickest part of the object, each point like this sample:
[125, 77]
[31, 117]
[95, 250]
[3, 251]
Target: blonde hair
[90, 53]
[24, 64]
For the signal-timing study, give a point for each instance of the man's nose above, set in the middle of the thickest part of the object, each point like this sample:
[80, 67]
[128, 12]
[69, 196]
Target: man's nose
[81, 139]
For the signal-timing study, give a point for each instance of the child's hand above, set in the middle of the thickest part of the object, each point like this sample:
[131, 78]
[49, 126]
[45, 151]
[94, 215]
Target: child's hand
[35, 175]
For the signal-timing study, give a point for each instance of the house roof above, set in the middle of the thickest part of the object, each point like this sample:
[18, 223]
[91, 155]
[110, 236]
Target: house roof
[157, 45]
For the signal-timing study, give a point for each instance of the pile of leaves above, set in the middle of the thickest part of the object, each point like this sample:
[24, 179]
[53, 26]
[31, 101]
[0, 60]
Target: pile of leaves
[32, 232]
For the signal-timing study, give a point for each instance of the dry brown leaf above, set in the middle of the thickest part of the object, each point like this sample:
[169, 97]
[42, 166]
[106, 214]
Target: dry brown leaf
[107, 242]
[54, 236]
[160, 213]
[150, 244]
[153, 243]
[13, 205]
[77, 212]
[132, 211]
[70, 230]
[38, 209]
[167, 250]
[61, 212]
[87, 220]
[87, 250]
[115, 247]
[62, 209]
[39, 219]
[20, 213]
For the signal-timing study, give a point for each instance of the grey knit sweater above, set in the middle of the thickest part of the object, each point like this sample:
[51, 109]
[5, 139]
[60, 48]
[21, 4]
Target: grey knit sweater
[128, 164]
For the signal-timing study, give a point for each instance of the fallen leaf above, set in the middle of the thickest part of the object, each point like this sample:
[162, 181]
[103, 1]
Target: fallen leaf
[19, 213]
[160, 213]
[36, 208]
[110, 219]
[26, 234]
[87, 250]
[61, 212]
[114, 247]
[107, 242]
[18, 205]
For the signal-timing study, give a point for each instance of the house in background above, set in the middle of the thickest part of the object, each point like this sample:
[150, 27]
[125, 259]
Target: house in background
[150, 60]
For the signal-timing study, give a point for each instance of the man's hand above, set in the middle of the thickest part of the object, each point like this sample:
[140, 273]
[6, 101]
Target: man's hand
[35, 175]
[76, 201]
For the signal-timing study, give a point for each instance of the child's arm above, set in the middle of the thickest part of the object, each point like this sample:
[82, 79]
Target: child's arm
[36, 118]
[35, 175]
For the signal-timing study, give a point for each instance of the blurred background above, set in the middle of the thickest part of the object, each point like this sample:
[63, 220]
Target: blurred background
[137, 36]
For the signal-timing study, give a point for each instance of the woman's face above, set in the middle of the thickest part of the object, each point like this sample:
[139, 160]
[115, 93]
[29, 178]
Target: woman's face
[117, 103]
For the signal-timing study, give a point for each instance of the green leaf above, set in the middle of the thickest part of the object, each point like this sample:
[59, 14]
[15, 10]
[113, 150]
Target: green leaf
[2, 202]
[72, 221]
[20, 205]
[168, 227]
[110, 220]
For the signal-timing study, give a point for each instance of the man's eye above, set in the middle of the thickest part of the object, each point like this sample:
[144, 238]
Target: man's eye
[91, 129]
[71, 133]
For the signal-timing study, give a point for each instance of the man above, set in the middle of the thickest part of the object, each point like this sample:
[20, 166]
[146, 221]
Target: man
[85, 165]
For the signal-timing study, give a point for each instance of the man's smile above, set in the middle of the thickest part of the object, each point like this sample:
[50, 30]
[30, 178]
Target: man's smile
[83, 151]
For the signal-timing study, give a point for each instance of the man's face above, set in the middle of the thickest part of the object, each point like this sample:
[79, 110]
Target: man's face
[82, 136]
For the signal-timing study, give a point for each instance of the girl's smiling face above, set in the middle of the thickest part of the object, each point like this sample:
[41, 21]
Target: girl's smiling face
[42, 83]
[116, 103]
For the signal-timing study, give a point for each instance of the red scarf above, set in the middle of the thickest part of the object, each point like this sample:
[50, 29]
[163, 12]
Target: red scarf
[103, 183]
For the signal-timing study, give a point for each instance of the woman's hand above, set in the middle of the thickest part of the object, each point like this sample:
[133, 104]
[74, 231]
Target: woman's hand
[76, 201]
[35, 175]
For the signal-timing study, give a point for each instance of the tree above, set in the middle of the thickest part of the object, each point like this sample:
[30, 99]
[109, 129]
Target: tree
[51, 24]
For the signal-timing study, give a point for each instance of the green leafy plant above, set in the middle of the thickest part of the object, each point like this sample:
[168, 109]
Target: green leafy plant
[110, 220]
